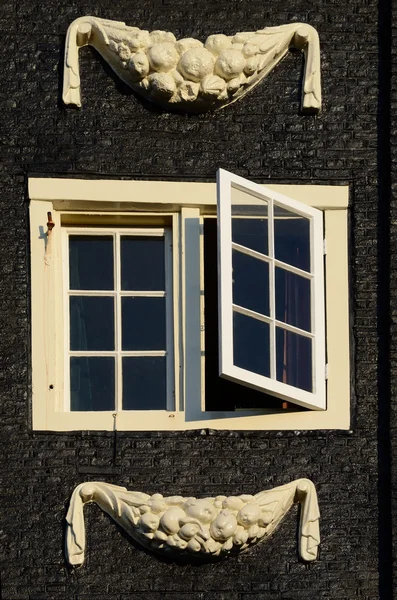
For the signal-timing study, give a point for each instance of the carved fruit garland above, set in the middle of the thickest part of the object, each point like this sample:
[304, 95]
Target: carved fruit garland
[189, 74]
[196, 528]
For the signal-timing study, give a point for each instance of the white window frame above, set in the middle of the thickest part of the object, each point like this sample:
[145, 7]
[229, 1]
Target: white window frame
[184, 204]
[117, 294]
[315, 400]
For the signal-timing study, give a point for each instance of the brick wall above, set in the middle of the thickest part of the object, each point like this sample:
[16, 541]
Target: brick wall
[263, 137]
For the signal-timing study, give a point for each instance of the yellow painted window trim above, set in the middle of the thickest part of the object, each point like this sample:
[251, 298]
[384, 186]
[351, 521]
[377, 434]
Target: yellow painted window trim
[79, 199]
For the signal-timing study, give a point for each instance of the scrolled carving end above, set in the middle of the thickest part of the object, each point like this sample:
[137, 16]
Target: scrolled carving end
[309, 534]
[78, 35]
[310, 104]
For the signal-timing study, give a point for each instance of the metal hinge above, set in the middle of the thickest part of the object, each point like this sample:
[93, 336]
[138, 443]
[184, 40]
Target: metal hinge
[326, 371]
[324, 246]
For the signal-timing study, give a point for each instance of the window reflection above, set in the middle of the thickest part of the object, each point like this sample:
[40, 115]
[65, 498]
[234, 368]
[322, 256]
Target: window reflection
[143, 323]
[91, 262]
[291, 238]
[91, 323]
[250, 282]
[294, 359]
[92, 383]
[144, 383]
[142, 263]
[251, 344]
[251, 233]
[293, 299]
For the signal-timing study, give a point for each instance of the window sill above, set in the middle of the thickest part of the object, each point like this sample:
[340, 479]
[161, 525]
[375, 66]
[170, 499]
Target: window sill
[334, 418]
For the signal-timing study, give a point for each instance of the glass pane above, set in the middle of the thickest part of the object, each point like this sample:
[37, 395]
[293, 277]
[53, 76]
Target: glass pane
[292, 238]
[142, 263]
[250, 282]
[293, 299]
[91, 262]
[251, 345]
[251, 233]
[91, 323]
[294, 359]
[143, 323]
[92, 383]
[144, 383]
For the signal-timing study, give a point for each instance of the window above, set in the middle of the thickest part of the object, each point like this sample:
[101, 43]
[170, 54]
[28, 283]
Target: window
[271, 292]
[125, 297]
[119, 328]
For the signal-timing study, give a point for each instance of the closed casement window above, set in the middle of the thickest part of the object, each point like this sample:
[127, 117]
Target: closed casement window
[119, 323]
[186, 308]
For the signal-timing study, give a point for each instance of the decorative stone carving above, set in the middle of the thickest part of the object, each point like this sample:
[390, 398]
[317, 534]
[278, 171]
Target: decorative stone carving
[187, 74]
[192, 528]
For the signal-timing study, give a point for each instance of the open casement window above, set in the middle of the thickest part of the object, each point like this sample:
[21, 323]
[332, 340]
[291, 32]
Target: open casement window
[271, 292]
[126, 289]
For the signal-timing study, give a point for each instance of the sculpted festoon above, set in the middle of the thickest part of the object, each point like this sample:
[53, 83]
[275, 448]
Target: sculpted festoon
[196, 528]
[188, 74]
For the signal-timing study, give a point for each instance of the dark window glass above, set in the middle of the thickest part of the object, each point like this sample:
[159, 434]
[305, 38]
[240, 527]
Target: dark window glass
[91, 262]
[92, 383]
[144, 383]
[251, 344]
[91, 323]
[220, 393]
[294, 359]
[142, 263]
[251, 233]
[143, 323]
[291, 238]
[250, 282]
[293, 299]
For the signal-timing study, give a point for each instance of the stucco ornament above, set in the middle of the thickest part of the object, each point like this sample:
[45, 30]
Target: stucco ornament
[196, 528]
[187, 74]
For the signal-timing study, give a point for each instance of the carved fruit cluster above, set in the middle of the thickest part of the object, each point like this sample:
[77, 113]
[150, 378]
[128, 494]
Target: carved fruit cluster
[206, 525]
[187, 69]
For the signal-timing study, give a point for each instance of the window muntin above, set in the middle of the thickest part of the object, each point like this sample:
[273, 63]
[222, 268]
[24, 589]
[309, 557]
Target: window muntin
[119, 329]
[271, 300]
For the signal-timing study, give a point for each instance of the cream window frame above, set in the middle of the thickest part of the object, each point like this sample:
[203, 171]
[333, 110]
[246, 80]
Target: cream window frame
[185, 204]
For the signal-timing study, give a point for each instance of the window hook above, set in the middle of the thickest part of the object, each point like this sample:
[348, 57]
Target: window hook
[48, 243]
[50, 223]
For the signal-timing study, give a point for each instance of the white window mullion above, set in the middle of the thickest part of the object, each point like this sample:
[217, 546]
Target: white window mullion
[225, 271]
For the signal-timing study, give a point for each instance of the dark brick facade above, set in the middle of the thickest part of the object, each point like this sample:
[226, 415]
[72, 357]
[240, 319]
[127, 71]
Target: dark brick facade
[264, 138]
